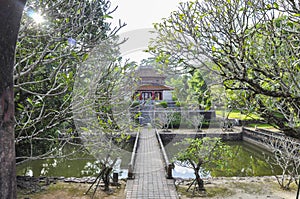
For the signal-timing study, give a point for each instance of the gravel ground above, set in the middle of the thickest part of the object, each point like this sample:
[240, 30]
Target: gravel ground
[243, 188]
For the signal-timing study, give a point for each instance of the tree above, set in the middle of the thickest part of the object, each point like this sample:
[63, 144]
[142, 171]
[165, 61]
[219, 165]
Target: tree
[101, 106]
[55, 39]
[47, 56]
[164, 117]
[180, 85]
[251, 44]
[199, 91]
[197, 153]
[285, 152]
[190, 88]
[10, 13]
[196, 120]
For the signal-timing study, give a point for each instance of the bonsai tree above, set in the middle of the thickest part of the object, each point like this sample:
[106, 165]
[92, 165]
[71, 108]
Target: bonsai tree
[165, 117]
[197, 120]
[198, 153]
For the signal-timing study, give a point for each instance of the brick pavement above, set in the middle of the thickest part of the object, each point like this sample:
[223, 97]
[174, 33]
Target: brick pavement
[150, 178]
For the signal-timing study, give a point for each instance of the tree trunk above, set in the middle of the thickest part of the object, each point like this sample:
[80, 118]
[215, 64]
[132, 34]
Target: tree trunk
[10, 15]
[199, 181]
[105, 178]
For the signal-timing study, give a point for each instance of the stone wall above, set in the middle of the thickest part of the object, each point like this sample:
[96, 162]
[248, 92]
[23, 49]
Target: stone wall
[173, 137]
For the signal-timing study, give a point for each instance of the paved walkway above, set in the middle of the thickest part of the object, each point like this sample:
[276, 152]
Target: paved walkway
[150, 178]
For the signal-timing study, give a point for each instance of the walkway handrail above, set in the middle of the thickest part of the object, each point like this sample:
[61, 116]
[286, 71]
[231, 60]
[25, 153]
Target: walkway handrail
[132, 161]
[169, 166]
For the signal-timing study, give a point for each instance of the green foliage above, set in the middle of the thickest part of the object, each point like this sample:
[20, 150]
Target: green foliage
[178, 104]
[48, 56]
[206, 151]
[163, 104]
[200, 91]
[181, 87]
[176, 120]
[256, 58]
[135, 103]
[191, 89]
[197, 153]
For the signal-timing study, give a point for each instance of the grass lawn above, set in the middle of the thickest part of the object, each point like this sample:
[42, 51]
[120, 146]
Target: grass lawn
[263, 126]
[236, 114]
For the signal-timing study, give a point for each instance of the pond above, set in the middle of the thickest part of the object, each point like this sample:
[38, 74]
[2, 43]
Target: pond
[80, 164]
[248, 160]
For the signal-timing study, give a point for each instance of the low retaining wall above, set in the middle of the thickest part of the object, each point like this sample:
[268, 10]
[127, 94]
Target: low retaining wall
[259, 136]
[173, 137]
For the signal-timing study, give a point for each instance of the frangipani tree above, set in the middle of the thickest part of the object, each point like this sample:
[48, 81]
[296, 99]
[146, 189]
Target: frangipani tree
[164, 118]
[197, 120]
[252, 45]
[198, 153]
[101, 106]
[286, 152]
[55, 38]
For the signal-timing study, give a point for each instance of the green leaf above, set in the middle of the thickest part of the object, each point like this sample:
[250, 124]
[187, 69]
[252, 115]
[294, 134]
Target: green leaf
[213, 49]
[84, 128]
[85, 57]
[29, 100]
[75, 55]
[275, 5]
[181, 17]
[20, 106]
[107, 16]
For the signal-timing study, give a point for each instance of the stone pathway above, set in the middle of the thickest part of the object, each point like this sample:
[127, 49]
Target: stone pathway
[150, 179]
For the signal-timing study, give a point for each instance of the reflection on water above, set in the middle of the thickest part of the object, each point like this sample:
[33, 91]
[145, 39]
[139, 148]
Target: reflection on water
[79, 164]
[183, 172]
[247, 160]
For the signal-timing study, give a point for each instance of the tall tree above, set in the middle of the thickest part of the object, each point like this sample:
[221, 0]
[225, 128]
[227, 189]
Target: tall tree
[199, 91]
[55, 39]
[253, 46]
[10, 14]
[101, 106]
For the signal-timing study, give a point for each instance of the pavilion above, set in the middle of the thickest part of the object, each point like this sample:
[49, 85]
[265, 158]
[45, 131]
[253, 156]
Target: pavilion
[151, 85]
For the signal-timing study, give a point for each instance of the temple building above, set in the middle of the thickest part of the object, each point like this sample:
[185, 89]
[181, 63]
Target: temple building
[151, 85]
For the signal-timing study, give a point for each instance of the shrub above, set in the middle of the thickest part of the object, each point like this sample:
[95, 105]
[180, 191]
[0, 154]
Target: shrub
[163, 104]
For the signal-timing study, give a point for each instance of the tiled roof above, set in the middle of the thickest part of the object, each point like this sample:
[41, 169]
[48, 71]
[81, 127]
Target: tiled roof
[154, 87]
[148, 71]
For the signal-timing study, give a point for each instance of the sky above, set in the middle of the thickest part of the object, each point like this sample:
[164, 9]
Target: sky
[142, 13]
[139, 15]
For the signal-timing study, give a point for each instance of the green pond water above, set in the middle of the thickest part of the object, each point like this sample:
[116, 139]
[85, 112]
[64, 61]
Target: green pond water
[79, 164]
[248, 161]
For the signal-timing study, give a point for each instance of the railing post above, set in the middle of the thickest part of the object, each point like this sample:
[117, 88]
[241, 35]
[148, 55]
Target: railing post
[130, 171]
[169, 171]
